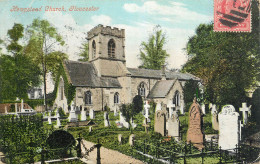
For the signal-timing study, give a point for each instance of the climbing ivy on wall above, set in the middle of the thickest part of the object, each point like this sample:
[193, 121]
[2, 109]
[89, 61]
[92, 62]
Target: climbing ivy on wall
[69, 89]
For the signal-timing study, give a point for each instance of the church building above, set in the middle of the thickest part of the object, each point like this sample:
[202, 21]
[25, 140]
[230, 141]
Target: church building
[106, 81]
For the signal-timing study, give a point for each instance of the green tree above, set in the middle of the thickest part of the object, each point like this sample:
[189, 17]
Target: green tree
[191, 90]
[228, 63]
[84, 56]
[43, 39]
[129, 111]
[152, 53]
[16, 72]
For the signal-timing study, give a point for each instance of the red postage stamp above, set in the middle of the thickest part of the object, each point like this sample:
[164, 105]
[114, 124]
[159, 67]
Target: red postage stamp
[232, 15]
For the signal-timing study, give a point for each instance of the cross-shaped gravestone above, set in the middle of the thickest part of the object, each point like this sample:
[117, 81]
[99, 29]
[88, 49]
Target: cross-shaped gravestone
[145, 125]
[244, 111]
[146, 109]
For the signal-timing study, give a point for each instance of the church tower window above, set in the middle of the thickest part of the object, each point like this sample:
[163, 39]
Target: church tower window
[141, 89]
[116, 98]
[111, 48]
[88, 97]
[93, 49]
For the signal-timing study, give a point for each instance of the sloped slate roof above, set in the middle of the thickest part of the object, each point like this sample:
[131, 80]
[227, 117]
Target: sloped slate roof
[84, 74]
[161, 88]
[149, 73]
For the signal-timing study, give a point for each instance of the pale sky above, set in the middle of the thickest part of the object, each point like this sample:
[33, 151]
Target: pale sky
[178, 19]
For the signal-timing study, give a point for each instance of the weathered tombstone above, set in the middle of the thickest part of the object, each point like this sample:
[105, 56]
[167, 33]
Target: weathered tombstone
[6, 110]
[213, 109]
[245, 110]
[120, 139]
[131, 139]
[229, 132]
[83, 115]
[58, 123]
[91, 114]
[160, 122]
[16, 107]
[194, 134]
[146, 110]
[90, 129]
[106, 119]
[49, 120]
[174, 126]
[72, 116]
[170, 105]
[203, 108]
[145, 125]
[215, 124]
[182, 107]
[158, 107]
[22, 106]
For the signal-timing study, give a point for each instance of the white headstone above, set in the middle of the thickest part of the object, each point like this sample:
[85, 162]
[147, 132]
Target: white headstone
[170, 105]
[6, 110]
[83, 115]
[245, 110]
[91, 114]
[229, 130]
[203, 108]
[49, 120]
[182, 107]
[131, 139]
[123, 121]
[158, 106]
[120, 138]
[22, 105]
[72, 116]
[106, 119]
[16, 107]
[173, 125]
[58, 123]
[146, 110]
[90, 129]
[214, 109]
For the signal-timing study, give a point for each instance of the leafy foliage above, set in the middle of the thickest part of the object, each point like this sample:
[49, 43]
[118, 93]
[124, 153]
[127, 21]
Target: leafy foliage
[256, 106]
[84, 52]
[228, 63]
[152, 54]
[190, 90]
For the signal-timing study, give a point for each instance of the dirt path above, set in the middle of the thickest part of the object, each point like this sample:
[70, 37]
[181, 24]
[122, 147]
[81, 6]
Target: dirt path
[108, 156]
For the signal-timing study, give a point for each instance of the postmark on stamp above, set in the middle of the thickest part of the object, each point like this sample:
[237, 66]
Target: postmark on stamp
[232, 15]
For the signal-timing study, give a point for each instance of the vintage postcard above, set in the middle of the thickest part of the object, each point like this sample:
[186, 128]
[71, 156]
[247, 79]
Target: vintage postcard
[129, 81]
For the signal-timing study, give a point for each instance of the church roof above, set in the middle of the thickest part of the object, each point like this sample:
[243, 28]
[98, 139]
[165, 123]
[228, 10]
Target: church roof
[161, 88]
[84, 74]
[157, 74]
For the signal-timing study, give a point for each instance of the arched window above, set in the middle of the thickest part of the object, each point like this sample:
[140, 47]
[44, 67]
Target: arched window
[111, 48]
[116, 98]
[141, 89]
[176, 99]
[88, 97]
[93, 49]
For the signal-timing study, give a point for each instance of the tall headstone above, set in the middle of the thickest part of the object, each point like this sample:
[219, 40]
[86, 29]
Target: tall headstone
[229, 130]
[160, 122]
[213, 109]
[158, 107]
[58, 123]
[22, 106]
[91, 114]
[16, 107]
[182, 107]
[203, 109]
[90, 129]
[215, 124]
[120, 139]
[170, 105]
[194, 134]
[146, 111]
[6, 110]
[72, 116]
[245, 111]
[131, 139]
[174, 125]
[106, 119]
[146, 125]
[83, 115]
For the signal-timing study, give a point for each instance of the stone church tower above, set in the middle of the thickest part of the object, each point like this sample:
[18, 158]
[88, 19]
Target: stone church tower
[107, 50]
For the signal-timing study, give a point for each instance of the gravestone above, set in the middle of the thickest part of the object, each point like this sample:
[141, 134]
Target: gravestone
[213, 109]
[91, 114]
[131, 139]
[6, 110]
[116, 110]
[182, 107]
[57, 114]
[215, 124]
[16, 107]
[123, 121]
[160, 122]
[174, 126]
[171, 107]
[58, 123]
[229, 130]
[106, 119]
[145, 125]
[83, 115]
[146, 110]
[245, 111]
[49, 120]
[72, 116]
[158, 107]
[120, 139]
[134, 125]
[90, 129]
[194, 134]
[203, 108]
